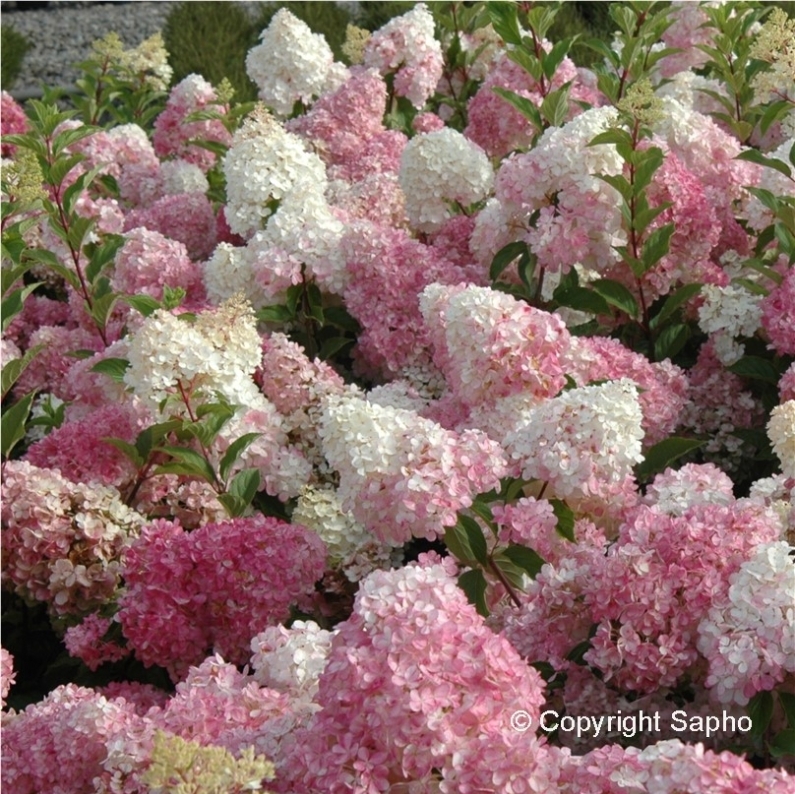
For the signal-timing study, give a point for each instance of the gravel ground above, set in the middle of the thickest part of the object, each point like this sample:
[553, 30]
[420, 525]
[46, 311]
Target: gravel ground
[61, 35]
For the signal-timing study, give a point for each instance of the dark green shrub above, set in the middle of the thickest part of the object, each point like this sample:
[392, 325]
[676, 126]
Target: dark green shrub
[212, 39]
[14, 46]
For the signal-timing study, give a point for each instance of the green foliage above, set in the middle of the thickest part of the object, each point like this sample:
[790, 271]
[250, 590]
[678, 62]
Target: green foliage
[14, 46]
[212, 39]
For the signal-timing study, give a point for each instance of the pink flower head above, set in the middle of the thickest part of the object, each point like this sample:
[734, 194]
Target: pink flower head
[7, 675]
[86, 641]
[215, 587]
[778, 309]
[414, 682]
[173, 133]
[13, 121]
[406, 47]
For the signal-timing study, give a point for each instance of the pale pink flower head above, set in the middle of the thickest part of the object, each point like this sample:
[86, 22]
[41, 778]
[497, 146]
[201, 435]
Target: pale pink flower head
[173, 133]
[148, 261]
[489, 344]
[406, 46]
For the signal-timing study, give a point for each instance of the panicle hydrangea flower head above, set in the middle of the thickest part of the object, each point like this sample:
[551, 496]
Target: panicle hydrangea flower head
[500, 128]
[63, 542]
[778, 309]
[781, 432]
[291, 660]
[489, 344]
[416, 681]
[729, 312]
[215, 587]
[219, 351]
[87, 642]
[60, 743]
[78, 451]
[748, 637]
[173, 132]
[292, 64]
[351, 548]
[388, 270]
[438, 168]
[580, 441]
[403, 476]
[148, 262]
[662, 385]
[675, 490]
[7, 675]
[660, 579]
[14, 121]
[264, 164]
[407, 47]
[188, 218]
[687, 33]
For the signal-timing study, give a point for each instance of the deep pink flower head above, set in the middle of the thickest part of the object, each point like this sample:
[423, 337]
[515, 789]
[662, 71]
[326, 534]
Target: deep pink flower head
[12, 121]
[416, 682]
[87, 641]
[78, 450]
[216, 587]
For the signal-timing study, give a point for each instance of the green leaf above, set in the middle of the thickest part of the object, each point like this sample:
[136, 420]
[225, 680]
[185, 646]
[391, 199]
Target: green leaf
[525, 558]
[663, 454]
[126, 449]
[506, 255]
[234, 451]
[112, 367]
[475, 538]
[457, 542]
[101, 255]
[505, 21]
[616, 294]
[673, 302]
[473, 583]
[11, 306]
[235, 505]
[555, 106]
[577, 653]
[482, 510]
[332, 346]
[523, 105]
[154, 434]
[756, 368]
[14, 368]
[188, 462]
[274, 314]
[12, 423]
[670, 341]
[783, 743]
[145, 304]
[565, 516]
[774, 112]
[755, 156]
[584, 300]
[760, 710]
[787, 701]
[245, 484]
[657, 245]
